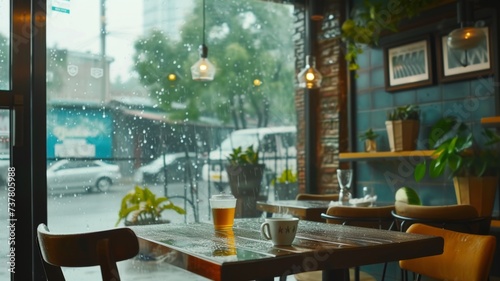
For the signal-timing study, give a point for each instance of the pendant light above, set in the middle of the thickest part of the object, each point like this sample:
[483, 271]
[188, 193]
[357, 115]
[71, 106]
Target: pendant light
[309, 77]
[203, 69]
[467, 36]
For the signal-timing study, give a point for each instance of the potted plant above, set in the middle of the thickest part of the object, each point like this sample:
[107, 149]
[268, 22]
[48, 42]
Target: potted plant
[286, 186]
[245, 177]
[402, 126]
[141, 206]
[244, 171]
[368, 138]
[369, 19]
[473, 166]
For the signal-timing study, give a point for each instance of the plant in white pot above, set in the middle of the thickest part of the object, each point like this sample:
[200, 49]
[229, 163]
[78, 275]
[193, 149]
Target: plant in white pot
[473, 165]
[402, 126]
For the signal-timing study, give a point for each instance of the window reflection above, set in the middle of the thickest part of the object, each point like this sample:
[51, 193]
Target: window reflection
[4, 45]
[4, 191]
[120, 91]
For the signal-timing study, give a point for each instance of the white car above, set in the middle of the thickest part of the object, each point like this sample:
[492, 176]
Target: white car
[88, 174]
[276, 146]
[173, 166]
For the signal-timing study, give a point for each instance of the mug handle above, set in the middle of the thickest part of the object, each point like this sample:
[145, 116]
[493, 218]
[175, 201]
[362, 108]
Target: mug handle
[264, 229]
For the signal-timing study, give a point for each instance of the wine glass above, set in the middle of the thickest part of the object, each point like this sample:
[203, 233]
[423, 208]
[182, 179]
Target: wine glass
[345, 178]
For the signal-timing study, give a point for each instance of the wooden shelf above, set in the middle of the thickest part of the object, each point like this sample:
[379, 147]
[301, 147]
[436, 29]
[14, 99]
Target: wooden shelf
[356, 156]
[493, 121]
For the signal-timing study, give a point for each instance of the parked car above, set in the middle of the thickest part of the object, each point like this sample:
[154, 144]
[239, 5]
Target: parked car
[173, 166]
[276, 146]
[88, 174]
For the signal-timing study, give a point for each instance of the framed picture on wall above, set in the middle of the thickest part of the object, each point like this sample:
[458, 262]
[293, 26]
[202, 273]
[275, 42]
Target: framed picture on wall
[407, 65]
[463, 64]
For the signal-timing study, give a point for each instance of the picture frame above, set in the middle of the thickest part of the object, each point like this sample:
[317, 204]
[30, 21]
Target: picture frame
[477, 61]
[408, 65]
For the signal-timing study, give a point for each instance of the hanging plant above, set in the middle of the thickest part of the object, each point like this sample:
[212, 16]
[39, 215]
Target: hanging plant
[370, 19]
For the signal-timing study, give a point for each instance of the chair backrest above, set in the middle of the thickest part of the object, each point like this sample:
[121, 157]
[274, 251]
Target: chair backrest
[373, 217]
[463, 218]
[465, 257]
[103, 248]
[309, 196]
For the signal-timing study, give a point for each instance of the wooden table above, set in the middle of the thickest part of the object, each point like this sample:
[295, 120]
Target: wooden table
[304, 209]
[242, 254]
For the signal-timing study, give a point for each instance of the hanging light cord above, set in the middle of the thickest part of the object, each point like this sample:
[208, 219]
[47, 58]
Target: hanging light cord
[203, 40]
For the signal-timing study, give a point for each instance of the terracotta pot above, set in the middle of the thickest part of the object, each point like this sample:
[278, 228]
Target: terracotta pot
[402, 134]
[478, 192]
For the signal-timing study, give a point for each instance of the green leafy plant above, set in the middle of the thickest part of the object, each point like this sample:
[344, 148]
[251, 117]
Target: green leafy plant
[458, 151]
[368, 135]
[240, 156]
[144, 206]
[407, 112]
[370, 19]
[287, 176]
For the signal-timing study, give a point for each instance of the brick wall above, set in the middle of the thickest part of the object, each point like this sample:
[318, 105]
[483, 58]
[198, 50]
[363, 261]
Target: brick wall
[330, 104]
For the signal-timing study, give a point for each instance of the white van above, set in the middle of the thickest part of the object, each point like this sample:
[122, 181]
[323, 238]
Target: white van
[276, 146]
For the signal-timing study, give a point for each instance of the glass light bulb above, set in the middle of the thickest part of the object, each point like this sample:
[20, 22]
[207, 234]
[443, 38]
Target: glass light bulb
[203, 70]
[465, 38]
[309, 77]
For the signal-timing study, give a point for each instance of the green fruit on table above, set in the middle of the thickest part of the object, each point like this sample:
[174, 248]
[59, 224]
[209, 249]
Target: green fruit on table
[408, 195]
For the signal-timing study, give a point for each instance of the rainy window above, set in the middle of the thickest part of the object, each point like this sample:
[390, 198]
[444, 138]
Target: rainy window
[4, 45]
[120, 90]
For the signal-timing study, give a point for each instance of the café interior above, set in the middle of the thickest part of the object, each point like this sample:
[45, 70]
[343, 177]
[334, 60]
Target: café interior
[360, 67]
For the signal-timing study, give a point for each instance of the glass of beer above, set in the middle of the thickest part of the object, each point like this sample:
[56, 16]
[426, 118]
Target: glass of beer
[223, 209]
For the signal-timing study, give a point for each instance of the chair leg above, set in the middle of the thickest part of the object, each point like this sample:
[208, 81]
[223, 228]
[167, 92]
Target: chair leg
[383, 271]
[356, 273]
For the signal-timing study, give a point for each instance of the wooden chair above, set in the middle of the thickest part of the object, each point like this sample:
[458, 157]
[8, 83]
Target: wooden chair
[462, 218]
[465, 257]
[103, 248]
[309, 196]
[371, 217]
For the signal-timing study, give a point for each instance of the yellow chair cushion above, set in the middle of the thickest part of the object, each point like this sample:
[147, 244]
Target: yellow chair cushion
[465, 256]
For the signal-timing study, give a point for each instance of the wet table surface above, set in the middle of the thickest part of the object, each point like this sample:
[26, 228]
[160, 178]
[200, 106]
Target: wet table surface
[242, 254]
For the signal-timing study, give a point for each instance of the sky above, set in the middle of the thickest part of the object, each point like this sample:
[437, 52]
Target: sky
[79, 29]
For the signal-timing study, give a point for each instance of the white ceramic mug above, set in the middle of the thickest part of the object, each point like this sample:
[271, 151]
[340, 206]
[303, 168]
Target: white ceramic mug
[280, 230]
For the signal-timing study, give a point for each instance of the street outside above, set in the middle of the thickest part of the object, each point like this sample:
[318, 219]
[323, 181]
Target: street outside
[74, 211]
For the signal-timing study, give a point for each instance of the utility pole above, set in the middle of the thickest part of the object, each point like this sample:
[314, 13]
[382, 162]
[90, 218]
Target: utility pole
[104, 77]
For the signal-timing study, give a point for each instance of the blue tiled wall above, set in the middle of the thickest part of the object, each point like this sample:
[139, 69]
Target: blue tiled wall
[470, 100]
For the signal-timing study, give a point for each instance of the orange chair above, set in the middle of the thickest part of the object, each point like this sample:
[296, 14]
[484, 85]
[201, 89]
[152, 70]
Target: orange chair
[463, 218]
[103, 248]
[465, 257]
